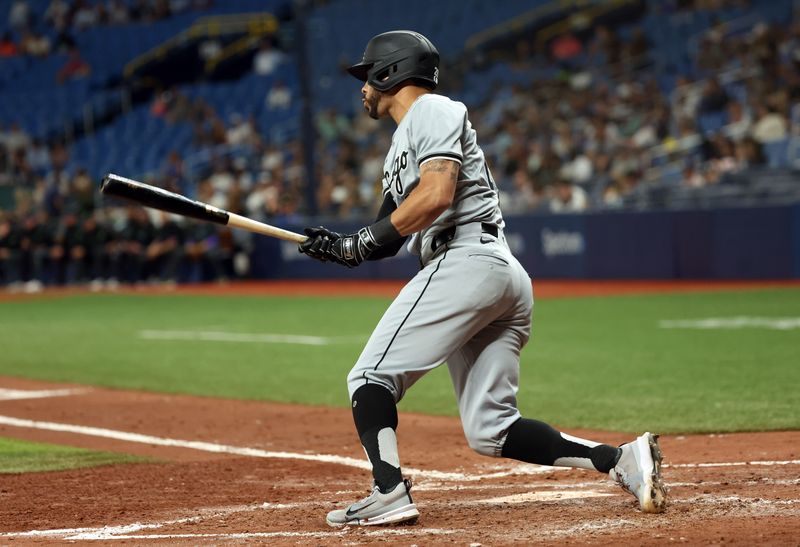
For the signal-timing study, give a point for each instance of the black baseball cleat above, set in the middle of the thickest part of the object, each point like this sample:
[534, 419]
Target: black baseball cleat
[393, 507]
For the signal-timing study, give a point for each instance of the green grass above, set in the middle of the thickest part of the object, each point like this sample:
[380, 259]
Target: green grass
[592, 362]
[25, 457]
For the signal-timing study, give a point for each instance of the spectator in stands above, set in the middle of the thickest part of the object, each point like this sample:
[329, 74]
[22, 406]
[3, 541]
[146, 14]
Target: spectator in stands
[568, 197]
[267, 58]
[739, 122]
[174, 173]
[75, 67]
[687, 97]
[723, 157]
[242, 132]
[279, 96]
[165, 252]
[35, 44]
[59, 156]
[332, 126]
[749, 153]
[67, 254]
[565, 47]
[82, 193]
[35, 243]
[16, 139]
[692, 177]
[770, 125]
[118, 12]
[204, 253]
[714, 97]
[7, 46]
[19, 16]
[96, 241]
[209, 50]
[134, 239]
[10, 264]
[521, 197]
[58, 14]
[611, 196]
[84, 15]
[605, 44]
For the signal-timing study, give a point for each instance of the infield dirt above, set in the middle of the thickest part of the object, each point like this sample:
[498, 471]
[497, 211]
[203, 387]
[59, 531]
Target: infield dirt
[194, 496]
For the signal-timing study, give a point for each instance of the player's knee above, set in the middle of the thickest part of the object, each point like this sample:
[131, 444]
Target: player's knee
[483, 444]
[486, 432]
[357, 378]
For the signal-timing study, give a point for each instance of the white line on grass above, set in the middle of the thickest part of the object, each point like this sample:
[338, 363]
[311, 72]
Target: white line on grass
[738, 322]
[255, 452]
[16, 394]
[245, 337]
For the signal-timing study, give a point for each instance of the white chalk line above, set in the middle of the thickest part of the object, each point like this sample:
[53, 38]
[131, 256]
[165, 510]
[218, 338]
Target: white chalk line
[129, 531]
[255, 452]
[517, 469]
[246, 337]
[18, 394]
[737, 322]
[767, 463]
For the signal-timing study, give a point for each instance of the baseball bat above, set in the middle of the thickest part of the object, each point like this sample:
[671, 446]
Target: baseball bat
[164, 200]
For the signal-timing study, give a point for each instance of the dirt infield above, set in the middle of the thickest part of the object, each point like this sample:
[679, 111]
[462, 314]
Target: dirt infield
[239, 472]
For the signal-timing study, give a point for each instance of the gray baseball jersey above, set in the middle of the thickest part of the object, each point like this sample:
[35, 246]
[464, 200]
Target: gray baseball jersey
[470, 305]
[436, 127]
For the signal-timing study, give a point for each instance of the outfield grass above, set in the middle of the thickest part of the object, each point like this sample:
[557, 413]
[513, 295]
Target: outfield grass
[592, 362]
[25, 457]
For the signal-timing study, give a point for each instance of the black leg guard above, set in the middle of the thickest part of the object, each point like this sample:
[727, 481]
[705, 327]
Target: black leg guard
[374, 411]
[536, 442]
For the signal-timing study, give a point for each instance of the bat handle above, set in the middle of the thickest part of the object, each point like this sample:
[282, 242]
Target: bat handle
[238, 221]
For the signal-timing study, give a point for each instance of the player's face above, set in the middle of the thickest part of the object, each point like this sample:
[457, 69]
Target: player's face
[371, 98]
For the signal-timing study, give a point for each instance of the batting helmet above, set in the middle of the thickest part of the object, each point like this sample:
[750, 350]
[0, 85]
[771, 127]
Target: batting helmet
[396, 56]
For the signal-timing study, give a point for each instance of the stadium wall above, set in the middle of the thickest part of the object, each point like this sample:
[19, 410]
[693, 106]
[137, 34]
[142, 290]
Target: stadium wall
[745, 243]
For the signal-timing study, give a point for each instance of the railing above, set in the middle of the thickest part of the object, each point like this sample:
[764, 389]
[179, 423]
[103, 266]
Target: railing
[589, 9]
[252, 24]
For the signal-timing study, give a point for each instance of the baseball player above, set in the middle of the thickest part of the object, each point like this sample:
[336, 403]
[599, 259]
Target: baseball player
[470, 304]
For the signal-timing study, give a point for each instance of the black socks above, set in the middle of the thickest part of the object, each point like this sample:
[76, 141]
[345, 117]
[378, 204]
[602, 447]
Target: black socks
[536, 442]
[375, 415]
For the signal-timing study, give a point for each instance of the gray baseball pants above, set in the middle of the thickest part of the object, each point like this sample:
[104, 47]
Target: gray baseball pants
[470, 305]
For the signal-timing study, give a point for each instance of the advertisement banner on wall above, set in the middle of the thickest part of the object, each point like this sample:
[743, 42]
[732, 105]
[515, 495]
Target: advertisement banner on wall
[752, 243]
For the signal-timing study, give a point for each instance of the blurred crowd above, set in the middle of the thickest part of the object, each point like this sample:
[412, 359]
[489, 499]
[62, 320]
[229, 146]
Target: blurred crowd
[583, 136]
[109, 247]
[587, 138]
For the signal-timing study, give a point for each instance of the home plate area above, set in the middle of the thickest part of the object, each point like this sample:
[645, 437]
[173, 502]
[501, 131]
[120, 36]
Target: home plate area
[282, 476]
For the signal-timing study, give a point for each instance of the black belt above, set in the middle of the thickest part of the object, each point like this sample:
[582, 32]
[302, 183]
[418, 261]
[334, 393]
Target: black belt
[447, 235]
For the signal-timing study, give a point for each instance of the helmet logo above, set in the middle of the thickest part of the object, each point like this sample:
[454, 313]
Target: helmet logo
[436, 75]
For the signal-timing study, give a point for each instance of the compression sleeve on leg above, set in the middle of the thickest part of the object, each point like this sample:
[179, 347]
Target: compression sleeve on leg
[375, 416]
[536, 442]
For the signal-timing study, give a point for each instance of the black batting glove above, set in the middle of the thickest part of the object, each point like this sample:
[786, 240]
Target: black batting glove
[352, 249]
[319, 242]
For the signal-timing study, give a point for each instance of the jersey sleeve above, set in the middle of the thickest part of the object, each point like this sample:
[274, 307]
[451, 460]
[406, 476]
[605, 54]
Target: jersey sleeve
[436, 131]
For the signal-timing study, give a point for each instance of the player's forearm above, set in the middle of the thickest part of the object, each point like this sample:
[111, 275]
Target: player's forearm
[433, 196]
[420, 209]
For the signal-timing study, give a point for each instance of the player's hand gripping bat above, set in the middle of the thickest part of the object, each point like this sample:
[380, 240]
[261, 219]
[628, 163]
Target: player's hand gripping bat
[158, 198]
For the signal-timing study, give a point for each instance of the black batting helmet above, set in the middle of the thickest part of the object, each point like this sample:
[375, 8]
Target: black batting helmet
[396, 56]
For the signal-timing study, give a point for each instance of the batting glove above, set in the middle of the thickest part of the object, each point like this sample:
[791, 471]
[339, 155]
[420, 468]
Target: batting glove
[352, 249]
[319, 242]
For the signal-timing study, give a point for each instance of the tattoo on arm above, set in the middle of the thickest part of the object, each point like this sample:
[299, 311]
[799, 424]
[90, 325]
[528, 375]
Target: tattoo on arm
[440, 166]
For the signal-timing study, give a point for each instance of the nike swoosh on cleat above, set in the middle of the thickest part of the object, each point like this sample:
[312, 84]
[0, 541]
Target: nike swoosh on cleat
[351, 513]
